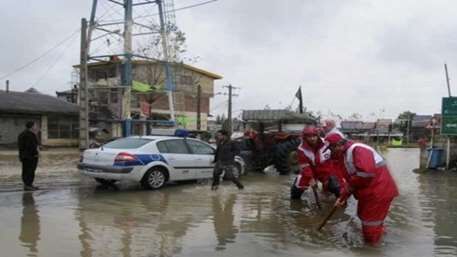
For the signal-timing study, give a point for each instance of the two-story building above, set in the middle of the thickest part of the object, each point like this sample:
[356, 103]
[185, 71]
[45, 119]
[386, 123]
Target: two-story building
[149, 101]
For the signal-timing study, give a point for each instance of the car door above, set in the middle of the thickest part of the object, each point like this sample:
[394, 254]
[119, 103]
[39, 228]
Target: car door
[203, 156]
[177, 155]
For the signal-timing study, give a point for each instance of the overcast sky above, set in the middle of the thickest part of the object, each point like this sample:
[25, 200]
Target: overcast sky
[376, 58]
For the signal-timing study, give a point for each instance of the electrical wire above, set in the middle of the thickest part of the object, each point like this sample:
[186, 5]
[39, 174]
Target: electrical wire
[219, 105]
[293, 101]
[76, 31]
[183, 8]
[40, 56]
[53, 64]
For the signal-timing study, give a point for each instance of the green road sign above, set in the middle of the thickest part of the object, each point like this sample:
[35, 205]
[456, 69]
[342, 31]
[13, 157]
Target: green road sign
[449, 106]
[449, 125]
[449, 116]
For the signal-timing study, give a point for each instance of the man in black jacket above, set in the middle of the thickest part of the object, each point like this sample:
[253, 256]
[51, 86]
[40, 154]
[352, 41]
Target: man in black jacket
[28, 154]
[225, 159]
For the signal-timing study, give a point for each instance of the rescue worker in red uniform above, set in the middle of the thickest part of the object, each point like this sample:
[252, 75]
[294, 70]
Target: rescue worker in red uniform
[369, 180]
[315, 163]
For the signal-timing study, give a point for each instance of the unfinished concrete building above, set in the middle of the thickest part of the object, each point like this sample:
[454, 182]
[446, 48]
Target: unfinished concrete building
[149, 101]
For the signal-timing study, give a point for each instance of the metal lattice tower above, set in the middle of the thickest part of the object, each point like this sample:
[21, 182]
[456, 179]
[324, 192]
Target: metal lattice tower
[170, 25]
[124, 30]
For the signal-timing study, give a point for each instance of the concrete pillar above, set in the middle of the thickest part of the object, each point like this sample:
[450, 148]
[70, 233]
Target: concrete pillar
[116, 130]
[44, 130]
[144, 129]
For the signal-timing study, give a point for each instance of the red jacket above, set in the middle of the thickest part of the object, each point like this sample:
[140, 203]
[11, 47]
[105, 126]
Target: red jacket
[366, 173]
[314, 163]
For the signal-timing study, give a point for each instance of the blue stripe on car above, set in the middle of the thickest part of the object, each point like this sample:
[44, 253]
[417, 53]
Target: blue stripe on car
[142, 159]
[147, 158]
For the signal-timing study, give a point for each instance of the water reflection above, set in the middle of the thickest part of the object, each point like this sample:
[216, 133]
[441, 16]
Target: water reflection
[136, 223]
[30, 224]
[224, 220]
[438, 198]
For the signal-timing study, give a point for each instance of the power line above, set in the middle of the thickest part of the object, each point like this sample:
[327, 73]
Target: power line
[41, 56]
[194, 5]
[219, 105]
[173, 10]
[183, 8]
[293, 101]
[53, 64]
[45, 53]
[76, 31]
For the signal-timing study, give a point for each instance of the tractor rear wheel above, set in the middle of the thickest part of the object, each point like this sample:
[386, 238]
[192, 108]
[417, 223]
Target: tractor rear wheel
[284, 158]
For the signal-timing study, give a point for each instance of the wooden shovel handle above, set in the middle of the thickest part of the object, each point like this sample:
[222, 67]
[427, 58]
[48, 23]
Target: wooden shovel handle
[328, 217]
[316, 196]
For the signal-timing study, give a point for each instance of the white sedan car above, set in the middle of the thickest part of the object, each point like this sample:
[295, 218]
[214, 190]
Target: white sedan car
[151, 160]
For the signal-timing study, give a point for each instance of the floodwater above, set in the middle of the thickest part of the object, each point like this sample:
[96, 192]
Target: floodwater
[190, 220]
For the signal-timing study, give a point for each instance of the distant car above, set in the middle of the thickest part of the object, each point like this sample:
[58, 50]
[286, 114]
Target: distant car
[152, 160]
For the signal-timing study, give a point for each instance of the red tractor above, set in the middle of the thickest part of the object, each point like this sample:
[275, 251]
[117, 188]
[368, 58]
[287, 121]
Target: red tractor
[272, 139]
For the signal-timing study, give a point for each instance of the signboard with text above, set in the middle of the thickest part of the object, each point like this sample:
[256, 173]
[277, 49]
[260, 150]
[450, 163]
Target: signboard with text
[449, 116]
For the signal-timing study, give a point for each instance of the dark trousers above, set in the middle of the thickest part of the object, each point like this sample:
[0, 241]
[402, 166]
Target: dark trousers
[219, 168]
[28, 170]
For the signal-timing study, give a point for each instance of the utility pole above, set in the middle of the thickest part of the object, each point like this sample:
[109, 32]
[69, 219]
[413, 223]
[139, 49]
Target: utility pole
[229, 111]
[199, 97]
[83, 92]
[168, 79]
[448, 140]
[300, 99]
[447, 80]
[127, 68]
[408, 128]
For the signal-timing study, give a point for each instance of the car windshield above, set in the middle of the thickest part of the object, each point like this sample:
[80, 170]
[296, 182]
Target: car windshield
[127, 143]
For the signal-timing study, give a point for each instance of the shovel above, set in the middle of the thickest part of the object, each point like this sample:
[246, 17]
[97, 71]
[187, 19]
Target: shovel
[327, 218]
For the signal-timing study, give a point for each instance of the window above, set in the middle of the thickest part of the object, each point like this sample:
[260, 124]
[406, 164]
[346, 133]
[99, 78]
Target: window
[162, 147]
[199, 148]
[185, 80]
[127, 143]
[65, 129]
[103, 97]
[134, 101]
[173, 146]
[114, 96]
[53, 128]
[60, 127]
[105, 73]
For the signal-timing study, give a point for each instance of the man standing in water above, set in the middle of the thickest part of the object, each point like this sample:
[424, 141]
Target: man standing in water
[368, 178]
[225, 159]
[28, 154]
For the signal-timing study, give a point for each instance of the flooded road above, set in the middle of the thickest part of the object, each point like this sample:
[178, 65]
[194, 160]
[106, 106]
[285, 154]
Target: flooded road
[190, 220]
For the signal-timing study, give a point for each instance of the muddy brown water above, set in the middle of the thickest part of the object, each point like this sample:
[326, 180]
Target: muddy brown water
[190, 220]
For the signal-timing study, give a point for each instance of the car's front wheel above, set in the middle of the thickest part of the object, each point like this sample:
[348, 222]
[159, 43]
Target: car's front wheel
[154, 179]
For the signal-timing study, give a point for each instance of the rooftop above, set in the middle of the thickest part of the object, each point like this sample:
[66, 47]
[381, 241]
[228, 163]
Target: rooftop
[274, 115]
[34, 103]
[144, 62]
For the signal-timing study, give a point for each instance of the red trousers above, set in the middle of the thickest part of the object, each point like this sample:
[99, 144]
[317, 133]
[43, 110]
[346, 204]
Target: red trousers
[373, 212]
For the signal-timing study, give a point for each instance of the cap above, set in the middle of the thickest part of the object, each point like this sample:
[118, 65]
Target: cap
[334, 138]
[309, 131]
